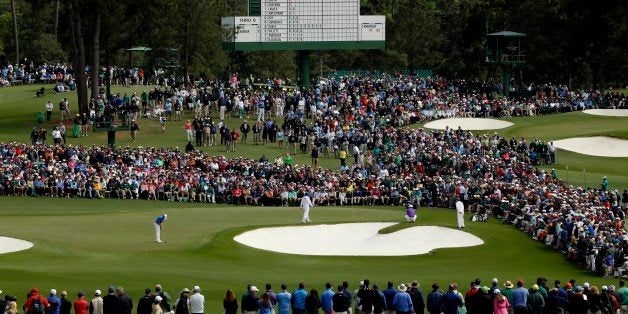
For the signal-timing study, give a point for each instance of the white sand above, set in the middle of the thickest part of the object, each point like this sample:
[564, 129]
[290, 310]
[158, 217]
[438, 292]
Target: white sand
[8, 245]
[468, 124]
[608, 112]
[602, 146]
[355, 239]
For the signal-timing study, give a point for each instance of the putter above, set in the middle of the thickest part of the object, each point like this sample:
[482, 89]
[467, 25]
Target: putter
[163, 236]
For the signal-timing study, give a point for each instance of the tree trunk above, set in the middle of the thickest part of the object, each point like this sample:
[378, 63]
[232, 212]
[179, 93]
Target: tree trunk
[186, 35]
[79, 68]
[96, 55]
[15, 33]
[57, 21]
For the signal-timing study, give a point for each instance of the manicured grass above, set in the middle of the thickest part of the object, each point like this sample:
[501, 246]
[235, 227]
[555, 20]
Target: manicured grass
[91, 244]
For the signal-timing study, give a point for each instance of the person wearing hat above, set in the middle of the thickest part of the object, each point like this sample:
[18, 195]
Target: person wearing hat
[507, 291]
[159, 222]
[402, 302]
[555, 303]
[410, 214]
[134, 128]
[182, 305]
[250, 304]
[81, 306]
[500, 302]
[484, 301]
[145, 303]
[156, 307]
[606, 301]
[55, 302]
[36, 303]
[11, 307]
[96, 305]
[434, 299]
[197, 301]
[306, 204]
[165, 298]
[578, 302]
[415, 293]
[459, 213]
[536, 302]
[111, 302]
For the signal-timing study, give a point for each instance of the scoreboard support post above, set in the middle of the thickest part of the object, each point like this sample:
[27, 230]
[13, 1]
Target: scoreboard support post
[303, 61]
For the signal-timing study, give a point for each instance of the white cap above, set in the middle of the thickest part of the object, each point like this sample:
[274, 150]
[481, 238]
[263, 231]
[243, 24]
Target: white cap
[253, 289]
[53, 291]
[158, 298]
[196, 288]
[97, 292]
[165, 216]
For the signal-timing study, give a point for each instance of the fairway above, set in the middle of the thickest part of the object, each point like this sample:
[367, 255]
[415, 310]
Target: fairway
[91, 244]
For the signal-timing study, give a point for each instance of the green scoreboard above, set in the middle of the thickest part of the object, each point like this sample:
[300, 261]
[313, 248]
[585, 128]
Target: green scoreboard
[303, 25]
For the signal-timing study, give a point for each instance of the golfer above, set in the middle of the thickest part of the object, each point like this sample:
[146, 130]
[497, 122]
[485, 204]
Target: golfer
[460, 213]
[410, 214]
[159, 222]
[306, 203]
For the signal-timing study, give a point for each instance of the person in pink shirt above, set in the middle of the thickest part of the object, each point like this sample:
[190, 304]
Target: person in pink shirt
[500, 303]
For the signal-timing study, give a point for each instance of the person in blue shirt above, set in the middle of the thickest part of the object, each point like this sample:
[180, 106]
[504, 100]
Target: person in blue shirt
[283, 300]
[402, 302]
[326, 299]
[298, 299]
[55, 303]
[389, 295]
[159, 227]
[520, 298]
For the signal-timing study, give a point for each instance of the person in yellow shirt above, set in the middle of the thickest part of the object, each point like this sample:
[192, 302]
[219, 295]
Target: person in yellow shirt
[342, 154]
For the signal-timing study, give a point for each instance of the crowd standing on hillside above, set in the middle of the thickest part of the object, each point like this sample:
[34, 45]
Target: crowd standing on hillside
[361, 122]
[542, 297]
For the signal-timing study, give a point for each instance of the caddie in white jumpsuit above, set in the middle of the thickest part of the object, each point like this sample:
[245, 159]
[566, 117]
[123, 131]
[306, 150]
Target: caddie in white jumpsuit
[460, 213]
[306, 203]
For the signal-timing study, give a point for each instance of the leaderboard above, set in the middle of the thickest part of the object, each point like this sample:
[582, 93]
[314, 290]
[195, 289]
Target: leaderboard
[288, 23]
[309, 20]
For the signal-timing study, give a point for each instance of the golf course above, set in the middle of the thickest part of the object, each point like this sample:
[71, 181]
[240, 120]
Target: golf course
[89, 244]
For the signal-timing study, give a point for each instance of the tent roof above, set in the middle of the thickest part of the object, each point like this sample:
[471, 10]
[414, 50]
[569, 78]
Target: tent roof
[139, 49]
[507, 34]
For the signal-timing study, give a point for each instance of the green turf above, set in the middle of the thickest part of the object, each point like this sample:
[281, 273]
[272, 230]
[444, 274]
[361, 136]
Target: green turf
[91, 244]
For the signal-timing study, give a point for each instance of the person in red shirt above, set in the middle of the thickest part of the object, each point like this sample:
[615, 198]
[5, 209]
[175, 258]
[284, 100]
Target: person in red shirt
[237, 195]
[34, 296]
[81, 306]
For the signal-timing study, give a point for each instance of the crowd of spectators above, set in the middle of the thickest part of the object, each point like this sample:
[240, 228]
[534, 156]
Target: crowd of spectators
[352, 118]
[542, 297]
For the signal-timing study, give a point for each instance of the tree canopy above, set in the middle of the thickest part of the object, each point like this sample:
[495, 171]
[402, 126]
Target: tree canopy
[580, 43]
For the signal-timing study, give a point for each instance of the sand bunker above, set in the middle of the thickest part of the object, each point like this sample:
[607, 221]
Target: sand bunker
[608, 112]
[468, 124]
[602, 146]
[8, 245]
[355, 239]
